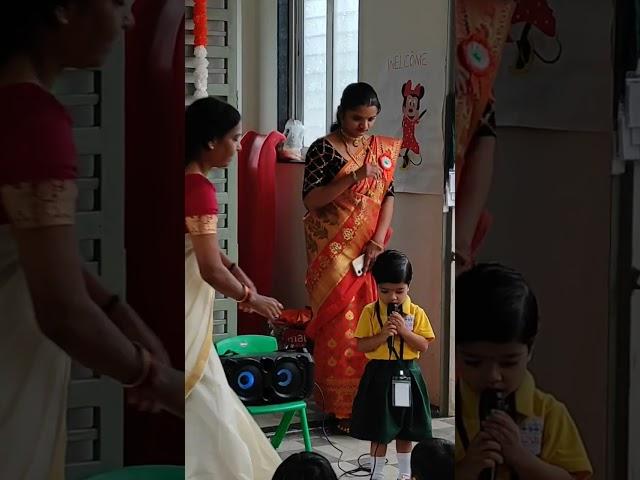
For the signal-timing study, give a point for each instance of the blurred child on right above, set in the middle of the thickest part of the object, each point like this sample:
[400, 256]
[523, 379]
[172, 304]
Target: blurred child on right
[305, 466]
[432, 459]
[527, 434]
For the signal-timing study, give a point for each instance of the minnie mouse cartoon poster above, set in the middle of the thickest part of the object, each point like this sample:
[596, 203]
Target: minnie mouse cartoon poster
[410, 118]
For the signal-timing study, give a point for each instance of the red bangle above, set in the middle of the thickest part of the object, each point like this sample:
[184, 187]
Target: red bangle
[146, 366]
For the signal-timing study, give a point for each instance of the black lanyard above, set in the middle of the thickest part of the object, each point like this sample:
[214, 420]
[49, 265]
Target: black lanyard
[462, 429]
[390, 345]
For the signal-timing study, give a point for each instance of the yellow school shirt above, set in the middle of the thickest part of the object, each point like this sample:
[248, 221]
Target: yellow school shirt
[559, 442]
[368, 326]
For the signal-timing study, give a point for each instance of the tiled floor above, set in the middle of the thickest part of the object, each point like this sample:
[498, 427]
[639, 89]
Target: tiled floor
[351, 448]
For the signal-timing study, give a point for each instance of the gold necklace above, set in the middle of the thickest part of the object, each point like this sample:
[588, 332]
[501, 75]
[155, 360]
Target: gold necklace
[355, 141]
[346, 149]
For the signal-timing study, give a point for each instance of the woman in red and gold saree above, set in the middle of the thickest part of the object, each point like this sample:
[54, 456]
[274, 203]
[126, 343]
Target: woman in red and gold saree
[222, 440]
[348, 192]
[52, 310]
[482, 29]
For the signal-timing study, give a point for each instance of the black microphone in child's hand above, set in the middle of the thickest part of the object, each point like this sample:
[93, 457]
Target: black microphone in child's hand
[391, 308]
[490, 400]
[394, 307]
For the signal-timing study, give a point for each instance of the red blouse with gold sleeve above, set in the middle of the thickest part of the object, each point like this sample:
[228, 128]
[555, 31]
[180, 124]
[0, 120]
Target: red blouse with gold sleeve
[38, 161]
[200, 205]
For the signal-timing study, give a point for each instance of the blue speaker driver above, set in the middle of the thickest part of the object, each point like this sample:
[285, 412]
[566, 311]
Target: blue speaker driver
[285, 377]
[246, 380]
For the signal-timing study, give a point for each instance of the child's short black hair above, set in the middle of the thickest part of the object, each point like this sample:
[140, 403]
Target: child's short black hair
[392, 266]
[305, 466]
[495, 304]
[432, 459]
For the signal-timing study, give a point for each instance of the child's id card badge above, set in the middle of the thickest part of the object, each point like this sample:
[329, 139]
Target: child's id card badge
[531, 431]
[401, 391]
[408, 322]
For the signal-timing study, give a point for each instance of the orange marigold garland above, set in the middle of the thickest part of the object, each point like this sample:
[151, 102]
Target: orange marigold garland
[200, 51]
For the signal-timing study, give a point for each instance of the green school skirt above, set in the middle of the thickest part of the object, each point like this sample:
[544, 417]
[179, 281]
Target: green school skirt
[374, 417]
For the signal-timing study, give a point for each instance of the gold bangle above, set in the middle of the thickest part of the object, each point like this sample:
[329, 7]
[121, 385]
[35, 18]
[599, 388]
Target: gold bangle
[247, 294]
[376, 244]
[146, 366]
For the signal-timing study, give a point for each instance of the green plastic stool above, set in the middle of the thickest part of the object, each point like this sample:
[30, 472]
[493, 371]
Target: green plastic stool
[256, 345]
[247, 345]
[144, 472]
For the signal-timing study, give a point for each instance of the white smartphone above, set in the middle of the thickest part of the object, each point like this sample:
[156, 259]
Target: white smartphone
[358, 265]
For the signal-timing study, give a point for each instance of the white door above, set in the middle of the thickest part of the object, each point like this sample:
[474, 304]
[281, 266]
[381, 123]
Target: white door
[222, 54]
[95, 100]
[634, 354]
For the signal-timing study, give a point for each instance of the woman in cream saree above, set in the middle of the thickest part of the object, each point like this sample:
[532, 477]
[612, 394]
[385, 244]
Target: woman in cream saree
[52, 310]
[222, 439]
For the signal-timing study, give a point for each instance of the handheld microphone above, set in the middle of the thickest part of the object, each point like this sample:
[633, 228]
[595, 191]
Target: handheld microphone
[490, 400]
[392, 307]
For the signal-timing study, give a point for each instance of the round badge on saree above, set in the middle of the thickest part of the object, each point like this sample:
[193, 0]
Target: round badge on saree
[385, 161]
[475, 55]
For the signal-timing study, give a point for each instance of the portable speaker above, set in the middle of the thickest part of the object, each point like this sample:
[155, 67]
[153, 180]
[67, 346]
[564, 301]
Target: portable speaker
[270, 378]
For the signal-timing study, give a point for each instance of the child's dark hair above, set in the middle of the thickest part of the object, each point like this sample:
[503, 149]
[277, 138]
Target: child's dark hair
[356, 95]
[433, 459]
[392, 266]
[207, 119]
[495, 304]
[305, 466]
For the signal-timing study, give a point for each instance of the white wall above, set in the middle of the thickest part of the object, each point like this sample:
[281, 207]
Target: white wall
[248, 74]
[417, 225]
[259, 112]
[418, 219]
[259, 65]
[551, 201]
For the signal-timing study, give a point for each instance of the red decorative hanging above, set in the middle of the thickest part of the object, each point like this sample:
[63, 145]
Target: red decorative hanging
[200, 22]
[201, 72]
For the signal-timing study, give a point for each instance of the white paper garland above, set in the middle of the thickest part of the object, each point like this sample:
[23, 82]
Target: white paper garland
[201, 72]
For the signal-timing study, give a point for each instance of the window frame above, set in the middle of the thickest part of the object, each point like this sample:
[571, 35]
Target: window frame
[291, 62]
